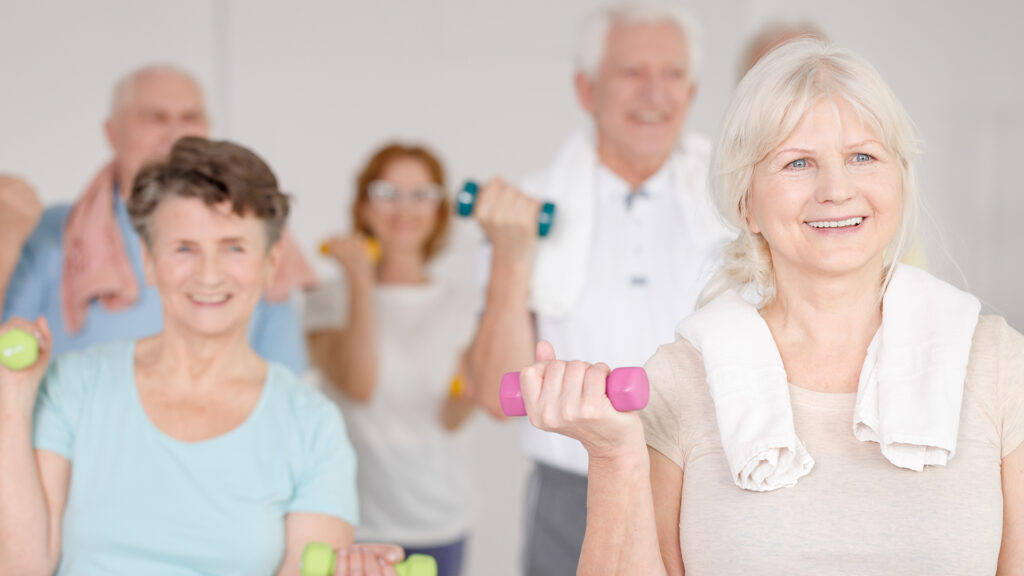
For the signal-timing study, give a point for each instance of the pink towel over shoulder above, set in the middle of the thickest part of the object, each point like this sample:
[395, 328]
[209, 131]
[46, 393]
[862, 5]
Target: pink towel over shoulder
[96, 264]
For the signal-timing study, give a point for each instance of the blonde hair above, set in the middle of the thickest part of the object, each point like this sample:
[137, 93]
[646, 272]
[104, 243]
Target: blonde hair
[768, 104]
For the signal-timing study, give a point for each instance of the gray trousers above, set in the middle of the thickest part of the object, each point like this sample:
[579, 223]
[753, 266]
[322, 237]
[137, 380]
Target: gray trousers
[555, 521]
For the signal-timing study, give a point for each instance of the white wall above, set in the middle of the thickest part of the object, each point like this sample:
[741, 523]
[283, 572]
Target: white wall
[315, 86]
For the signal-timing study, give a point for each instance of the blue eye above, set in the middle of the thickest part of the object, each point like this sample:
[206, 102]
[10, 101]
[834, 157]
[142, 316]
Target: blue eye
[862, 157]
[183, 249]
[236, 248]
[799, 163]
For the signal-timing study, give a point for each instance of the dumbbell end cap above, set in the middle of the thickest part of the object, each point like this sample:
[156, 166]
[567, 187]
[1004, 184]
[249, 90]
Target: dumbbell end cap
[417, 565]
[511, 396]
[318, 559]
[629, 389]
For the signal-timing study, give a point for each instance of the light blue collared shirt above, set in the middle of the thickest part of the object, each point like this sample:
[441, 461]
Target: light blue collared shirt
[275, 331]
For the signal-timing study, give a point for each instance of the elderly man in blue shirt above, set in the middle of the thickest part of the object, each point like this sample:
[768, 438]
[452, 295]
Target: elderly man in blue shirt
[80, 265]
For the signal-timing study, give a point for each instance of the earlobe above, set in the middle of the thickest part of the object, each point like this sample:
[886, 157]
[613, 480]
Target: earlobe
[585, 92]
[108, 130]
[273, 261]
[747, 217]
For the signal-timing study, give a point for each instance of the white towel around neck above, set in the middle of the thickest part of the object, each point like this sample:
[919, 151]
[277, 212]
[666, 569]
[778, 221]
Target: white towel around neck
[908, 397]
[563, 257]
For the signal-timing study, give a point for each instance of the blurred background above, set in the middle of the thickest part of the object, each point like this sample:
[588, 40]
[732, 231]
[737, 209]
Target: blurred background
[314, 86]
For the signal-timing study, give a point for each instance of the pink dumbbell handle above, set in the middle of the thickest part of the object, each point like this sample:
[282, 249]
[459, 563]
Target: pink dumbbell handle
[627, 388]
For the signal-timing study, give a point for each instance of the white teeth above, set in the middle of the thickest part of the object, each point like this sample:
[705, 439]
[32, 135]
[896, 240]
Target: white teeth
[209, 299]
[837, 223]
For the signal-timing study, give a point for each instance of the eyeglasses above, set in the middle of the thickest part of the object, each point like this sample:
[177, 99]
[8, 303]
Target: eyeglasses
[384, 193]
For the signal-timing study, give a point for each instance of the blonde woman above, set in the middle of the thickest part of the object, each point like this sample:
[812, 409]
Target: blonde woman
[826, 410]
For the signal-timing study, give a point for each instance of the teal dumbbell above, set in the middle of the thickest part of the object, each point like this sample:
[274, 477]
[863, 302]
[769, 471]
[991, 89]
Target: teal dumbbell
[18, 349]
[319, 559]
[466, 200]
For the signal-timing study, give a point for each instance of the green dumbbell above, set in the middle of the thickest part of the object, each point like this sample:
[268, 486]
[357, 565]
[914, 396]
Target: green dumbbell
[18, 349]
[319, 559]
[466, 200]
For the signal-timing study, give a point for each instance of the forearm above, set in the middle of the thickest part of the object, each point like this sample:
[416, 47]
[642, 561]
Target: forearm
[8, 262]
[25, 542]
[505, 338]
[355, 360]
[455, 412]
[621, 535]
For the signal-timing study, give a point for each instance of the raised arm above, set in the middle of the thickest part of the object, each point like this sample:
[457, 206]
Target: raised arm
[20, 211]
[33, 483]
[569, 398]
[348, 356]
[506, 335]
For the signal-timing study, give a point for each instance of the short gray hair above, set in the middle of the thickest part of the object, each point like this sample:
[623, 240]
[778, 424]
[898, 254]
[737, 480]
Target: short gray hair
[122, 91]
[593, 33]
[767, 106]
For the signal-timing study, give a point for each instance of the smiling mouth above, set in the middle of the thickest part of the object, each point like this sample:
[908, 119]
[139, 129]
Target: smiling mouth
[847, 223]
[209, 299]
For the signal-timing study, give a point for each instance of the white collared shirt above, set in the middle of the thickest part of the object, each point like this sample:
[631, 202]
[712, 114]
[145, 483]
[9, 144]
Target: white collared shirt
[641, 280]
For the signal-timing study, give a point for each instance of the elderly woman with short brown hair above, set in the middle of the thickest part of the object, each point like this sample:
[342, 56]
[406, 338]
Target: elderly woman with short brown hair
[184, 452]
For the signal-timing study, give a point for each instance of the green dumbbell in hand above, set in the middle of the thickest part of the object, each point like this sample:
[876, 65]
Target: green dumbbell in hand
[319, 559]
[18, 349]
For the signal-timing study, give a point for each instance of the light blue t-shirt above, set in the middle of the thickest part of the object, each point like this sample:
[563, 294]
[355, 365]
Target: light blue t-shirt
[141, 502]
[275, 330]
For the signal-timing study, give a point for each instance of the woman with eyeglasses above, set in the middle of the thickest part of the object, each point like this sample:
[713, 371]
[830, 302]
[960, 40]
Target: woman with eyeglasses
[387, 339]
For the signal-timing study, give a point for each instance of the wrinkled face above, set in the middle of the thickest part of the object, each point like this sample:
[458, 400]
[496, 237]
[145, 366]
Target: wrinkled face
[209, 264]
[828, 199]
[641, 94]
[156, 110]
[402, 210]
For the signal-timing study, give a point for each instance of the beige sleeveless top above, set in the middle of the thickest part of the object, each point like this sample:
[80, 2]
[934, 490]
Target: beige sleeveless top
[855, 513]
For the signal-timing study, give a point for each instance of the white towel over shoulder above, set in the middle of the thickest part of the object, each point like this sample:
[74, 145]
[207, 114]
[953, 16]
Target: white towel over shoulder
[563, 257]
[912, 384]
[751, 393]
[908, 397]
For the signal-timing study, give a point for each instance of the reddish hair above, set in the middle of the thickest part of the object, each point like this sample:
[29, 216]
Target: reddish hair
[374, 169]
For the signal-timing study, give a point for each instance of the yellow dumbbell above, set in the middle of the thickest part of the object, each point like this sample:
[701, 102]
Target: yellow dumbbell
[372, 249]
[457, 387]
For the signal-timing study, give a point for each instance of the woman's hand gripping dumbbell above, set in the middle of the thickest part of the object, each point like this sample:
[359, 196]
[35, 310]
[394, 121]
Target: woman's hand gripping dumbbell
[504, 200]
[320, 559]
[584, 401]
[19, 342]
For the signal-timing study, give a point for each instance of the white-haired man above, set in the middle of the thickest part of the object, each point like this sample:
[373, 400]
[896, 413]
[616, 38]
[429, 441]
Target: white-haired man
[80, 265]
[634, 235]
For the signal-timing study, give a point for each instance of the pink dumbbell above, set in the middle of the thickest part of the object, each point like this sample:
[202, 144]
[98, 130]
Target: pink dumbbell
[627, 388]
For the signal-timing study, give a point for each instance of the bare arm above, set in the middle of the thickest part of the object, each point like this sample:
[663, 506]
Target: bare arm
[569, 398]
[20, 211]
[667, 488]
[33, 483]
[348, 356]
[506, 336]
[622, 536]
[459, 404]
[1011, 553]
